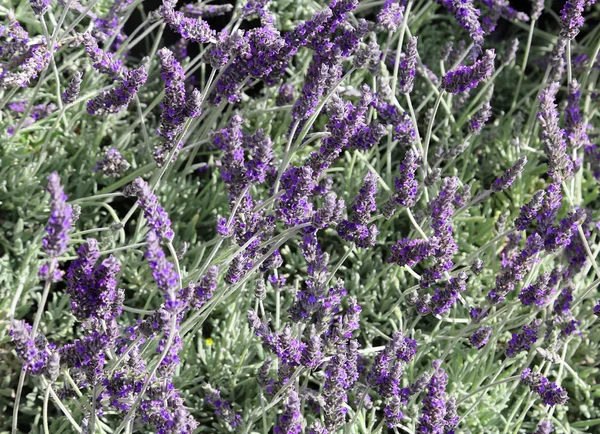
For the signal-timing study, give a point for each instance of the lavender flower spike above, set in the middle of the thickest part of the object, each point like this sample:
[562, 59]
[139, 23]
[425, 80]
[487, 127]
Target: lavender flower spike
[466, 78]
[509, 176]
[113, 164]
[39, 357]
[40, 7]
[407, 187]
[72, 90]
[158, 219]
[290, 421]
[173, 114]
[119, 97]
[544, 427]
[530, 211]
[433, 413]
[408, 67]
[60, 222]
[356, 229]
[163, 271]
[555, 146]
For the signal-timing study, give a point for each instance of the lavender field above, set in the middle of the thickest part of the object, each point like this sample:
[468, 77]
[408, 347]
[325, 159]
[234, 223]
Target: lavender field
[375, 216]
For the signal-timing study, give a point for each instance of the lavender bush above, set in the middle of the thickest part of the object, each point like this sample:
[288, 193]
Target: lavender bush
[299, 217]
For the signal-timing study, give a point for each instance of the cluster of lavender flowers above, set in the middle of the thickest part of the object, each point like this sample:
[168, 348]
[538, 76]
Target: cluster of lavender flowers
[280, 223]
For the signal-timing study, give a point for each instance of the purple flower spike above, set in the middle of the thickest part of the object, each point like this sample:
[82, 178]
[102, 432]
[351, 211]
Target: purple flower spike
[158, 219]
[523, 341]
[575, 128]
[530, 210]
[538, 293]
[482, 115]
[408, 67]
[550, 393]
[290, 421]
[356, 229]
[480, 337]
[40, 7]
[509, 176]
[433, 413]
[559, 164]
[465, 78]
[102, 61]
[113, 164]
[195, 30]
[411, 252]
[390, 17]
[72, 90]
[285, 95]
[173, 113]
[163, 271]
[59, 223]
[544, 427]
[468, 17]
[39, 357]
[120, 96]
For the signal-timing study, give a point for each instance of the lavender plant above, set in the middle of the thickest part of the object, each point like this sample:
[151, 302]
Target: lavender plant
[299, 217]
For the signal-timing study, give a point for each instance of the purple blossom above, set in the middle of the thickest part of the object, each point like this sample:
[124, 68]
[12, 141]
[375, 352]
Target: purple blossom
[509, 176]
[480, 337]
[163, 271]
[86, 357]
[39, 357]
[468, 16]
[104, 62]
[357, 229]
[575, 128]
[530, 210]
[597, 309]
[37, 112]
[559, 165]
[407, 187]
[442, 210]
[72, 90]
[197, 294]
[446, 296]
[408, 67]
[465, 78]
[403, 129]
[113, 164]
[433, 412]
[516, 268]
[544, 427]
[481, 116]
[523, 341]
[538, 293]
[173, 113]
[390, 17]
[223, 409]
[33, 61]
[339, 379]
[157, 217]
[290, 421]
[207, 10]
[537, 7]
[55, 242]
[93, 287]
[411, 252]
[194, 29]
[40, 7]
[550, 393]
[571, 18]
[285, 95]
[120, 96]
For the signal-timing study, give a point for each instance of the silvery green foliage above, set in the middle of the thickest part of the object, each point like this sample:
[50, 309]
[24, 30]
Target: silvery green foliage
[298, 217]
